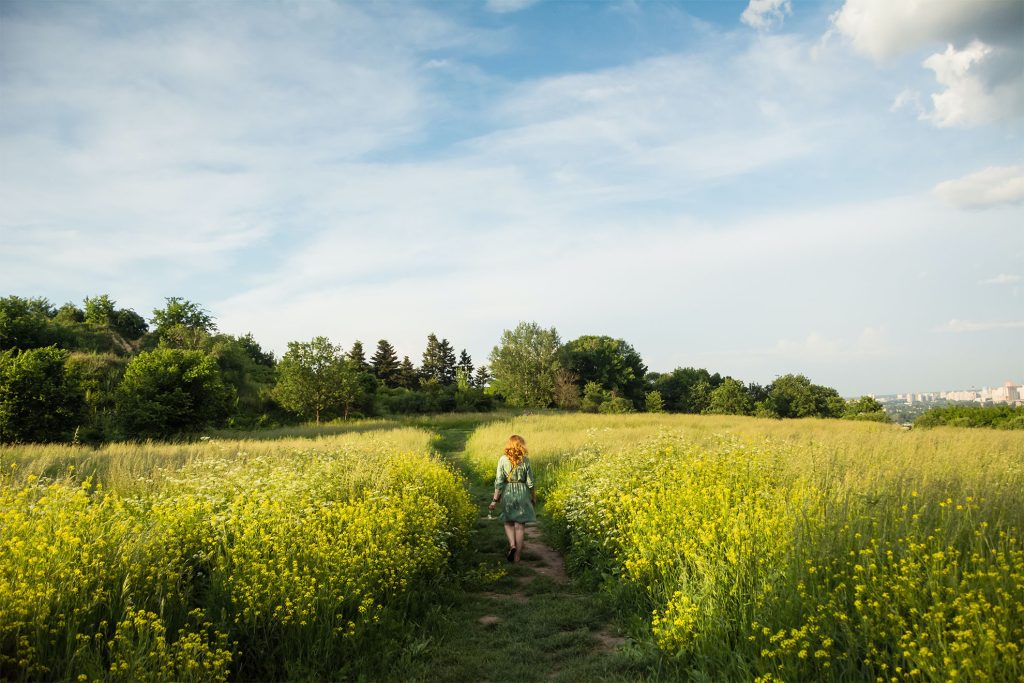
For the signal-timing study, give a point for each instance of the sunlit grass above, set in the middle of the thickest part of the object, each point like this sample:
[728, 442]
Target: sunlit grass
[242, 558]
[794, 550]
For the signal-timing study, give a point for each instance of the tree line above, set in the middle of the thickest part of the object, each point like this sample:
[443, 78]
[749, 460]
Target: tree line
[98, 372]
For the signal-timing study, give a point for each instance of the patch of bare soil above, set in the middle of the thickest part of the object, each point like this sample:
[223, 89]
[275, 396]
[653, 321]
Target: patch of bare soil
[514, 597]
[548, 561]
[607, 641]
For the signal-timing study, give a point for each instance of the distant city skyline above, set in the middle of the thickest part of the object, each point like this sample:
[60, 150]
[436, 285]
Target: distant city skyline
[832, 188]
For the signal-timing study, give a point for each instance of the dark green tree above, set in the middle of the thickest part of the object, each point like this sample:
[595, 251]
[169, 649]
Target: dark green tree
[358, 356]
[256, 352]
[168, 392]
[129, 324]
[466, 365]
[385, 365]
[482, 378]
[612, 363]
[686, 390]
[795, 396]
[40, 398]
[438, 361]
[25, 323]
[524, 365]
[408, 375]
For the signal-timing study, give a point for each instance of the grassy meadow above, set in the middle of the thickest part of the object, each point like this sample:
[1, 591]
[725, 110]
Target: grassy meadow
[244, 559]
[732, 548]
[793, 550]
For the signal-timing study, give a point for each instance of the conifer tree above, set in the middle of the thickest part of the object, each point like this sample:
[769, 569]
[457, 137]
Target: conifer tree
[407, 375]
[438, 361]
[358, 357]
[466, 364]
[430, 366]
[482, 377]
[385, 364]
[447, 357]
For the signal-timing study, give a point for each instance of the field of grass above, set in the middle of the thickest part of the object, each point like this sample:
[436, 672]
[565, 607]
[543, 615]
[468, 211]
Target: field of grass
[732, 548]
[799, 550]
[248, 559]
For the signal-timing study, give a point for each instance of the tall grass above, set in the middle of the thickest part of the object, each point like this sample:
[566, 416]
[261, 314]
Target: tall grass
[800, 550]
[249, 559]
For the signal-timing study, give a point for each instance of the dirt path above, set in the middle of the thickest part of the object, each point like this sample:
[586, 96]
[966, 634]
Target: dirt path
[516, 622]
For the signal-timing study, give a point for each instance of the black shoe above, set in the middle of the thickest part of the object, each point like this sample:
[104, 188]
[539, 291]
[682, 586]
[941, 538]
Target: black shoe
[511, 555]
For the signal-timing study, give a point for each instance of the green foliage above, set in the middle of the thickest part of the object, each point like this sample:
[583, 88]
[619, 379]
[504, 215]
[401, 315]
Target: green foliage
[312, 377]
[866, 408]
[129, 324]
[730, 398]
[567, 390]
[686, 390]
[482, 378]
[597, 399]
[438, 361]
[796, 396]
[385, 365]
[40, 398]
[99, 310]
[69, 314]
[524, 365]
[182, 323]
[612, 363]
[358, 356]
[98, 375]
[466, 365]
[25, 323]
[408, 377]
[653, 402]
[242, 365]
[171, 392]
[256, 352]
[991, 417]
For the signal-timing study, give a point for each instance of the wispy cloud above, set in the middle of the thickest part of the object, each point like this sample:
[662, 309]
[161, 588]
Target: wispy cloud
[766, 14]
[988, 187]
[504, 6]
[1001, 279]
[974, 326]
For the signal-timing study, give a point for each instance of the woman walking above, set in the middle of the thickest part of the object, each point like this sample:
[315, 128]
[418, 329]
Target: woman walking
[513, 484]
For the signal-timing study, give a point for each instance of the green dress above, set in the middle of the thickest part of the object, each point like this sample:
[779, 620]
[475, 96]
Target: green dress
[515, 486]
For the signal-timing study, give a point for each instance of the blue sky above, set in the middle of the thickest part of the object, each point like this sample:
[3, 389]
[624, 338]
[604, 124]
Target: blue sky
[833, 188]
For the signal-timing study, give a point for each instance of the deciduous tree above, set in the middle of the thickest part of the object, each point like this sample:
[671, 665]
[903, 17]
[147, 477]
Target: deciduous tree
[167, 392]
[524, 365]
[40, 398]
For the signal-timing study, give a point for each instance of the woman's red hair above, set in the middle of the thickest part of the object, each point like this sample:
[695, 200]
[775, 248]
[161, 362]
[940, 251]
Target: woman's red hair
[515, 449]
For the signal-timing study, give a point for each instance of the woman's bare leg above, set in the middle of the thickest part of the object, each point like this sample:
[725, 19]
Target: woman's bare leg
[520, 532]
[510, 534]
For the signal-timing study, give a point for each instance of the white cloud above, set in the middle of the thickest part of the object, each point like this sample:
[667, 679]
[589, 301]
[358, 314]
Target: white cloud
[980, 67]
[988, 187]
[883, 29]
[969, 98]
[766, 14]
[1001, 279]
[973, 326]
[505, 6]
